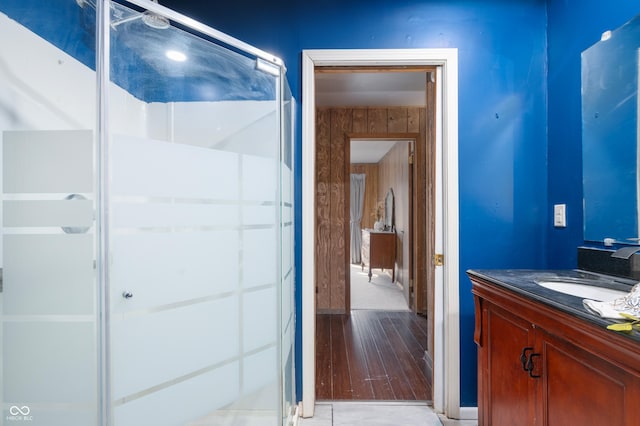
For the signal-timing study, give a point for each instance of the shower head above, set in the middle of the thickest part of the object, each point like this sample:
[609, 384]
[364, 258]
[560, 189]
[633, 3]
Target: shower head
[151, 19]
[155, 21]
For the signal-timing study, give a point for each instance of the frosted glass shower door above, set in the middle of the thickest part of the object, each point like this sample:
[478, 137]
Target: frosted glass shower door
[192, 284]
[48, 286]
[194, 272]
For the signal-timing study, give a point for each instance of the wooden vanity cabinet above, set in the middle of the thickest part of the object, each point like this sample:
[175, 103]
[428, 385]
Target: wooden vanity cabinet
[506, 390]
[580, 388]
[538, 365]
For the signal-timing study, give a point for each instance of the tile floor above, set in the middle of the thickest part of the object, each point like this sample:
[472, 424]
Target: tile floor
[378, 414]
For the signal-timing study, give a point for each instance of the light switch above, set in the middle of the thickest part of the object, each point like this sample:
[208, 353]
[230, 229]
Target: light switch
[560, 215]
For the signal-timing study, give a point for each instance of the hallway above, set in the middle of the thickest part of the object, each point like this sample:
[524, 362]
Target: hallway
[372, 355]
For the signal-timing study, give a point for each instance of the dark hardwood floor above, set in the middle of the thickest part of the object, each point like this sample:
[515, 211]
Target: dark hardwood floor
[371, 355]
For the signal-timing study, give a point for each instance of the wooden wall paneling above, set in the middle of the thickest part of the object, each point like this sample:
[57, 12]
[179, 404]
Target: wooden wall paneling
[413, 119]
[385, 179]
[411, 215]
[374, 199]
[359, 120]
[420, 228]
[341, 121]
[397, 120]
[323, 210]
[394, 174]
[402, 177]
[413, 125]
[377, 120]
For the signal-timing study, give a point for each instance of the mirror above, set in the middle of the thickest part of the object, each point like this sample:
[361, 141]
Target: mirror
[388, 211]
[610, 136]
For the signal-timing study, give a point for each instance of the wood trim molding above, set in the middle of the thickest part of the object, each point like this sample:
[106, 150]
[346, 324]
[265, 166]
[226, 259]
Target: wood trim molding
[347, 223]
[374, 68]
[414, 138]
[390, 136]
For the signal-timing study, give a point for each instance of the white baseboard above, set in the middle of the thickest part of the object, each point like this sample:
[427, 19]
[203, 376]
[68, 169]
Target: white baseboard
[468, 413]
[296, 415]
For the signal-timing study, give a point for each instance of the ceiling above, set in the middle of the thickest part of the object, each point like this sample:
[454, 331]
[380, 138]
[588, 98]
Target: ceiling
[343, 88]
[355, 88]
[369, 151]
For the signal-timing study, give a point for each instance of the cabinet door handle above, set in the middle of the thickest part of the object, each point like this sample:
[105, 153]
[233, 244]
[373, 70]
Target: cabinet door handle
[530, 366]
[524, 357]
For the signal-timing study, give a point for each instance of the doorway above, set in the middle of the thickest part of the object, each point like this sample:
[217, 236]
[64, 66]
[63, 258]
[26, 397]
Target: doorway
[446, 398]
[343, 121]
[386, 168]
[374, 350]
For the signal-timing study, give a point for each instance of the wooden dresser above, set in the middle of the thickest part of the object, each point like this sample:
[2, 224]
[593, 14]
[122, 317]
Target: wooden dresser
[379, 250]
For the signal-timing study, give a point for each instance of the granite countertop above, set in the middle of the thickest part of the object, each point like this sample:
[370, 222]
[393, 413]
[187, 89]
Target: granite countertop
[523, 282]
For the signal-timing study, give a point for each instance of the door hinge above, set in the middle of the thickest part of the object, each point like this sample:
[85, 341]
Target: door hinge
[438, 259]
[411, 158]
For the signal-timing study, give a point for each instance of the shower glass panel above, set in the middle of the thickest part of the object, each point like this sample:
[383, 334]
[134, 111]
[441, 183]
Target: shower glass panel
[48, 298]
[194, 237]
[147, 220]
[287, 294]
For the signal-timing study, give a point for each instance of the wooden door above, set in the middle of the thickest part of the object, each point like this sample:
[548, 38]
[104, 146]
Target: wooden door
[425, 287]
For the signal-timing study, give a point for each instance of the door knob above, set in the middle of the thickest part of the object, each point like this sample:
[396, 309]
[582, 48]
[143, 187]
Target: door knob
[127, 294]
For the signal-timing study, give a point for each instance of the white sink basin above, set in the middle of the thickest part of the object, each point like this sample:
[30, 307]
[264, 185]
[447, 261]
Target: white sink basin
[583, 290]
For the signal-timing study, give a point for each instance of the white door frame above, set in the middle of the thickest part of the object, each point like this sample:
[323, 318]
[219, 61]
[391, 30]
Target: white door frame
[446, 357]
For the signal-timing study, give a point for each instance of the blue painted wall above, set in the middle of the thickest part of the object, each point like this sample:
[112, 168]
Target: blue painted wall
[504, 211]
[574, 25]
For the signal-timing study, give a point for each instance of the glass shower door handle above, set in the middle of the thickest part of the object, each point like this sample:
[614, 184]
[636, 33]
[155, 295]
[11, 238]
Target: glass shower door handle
[127, 294]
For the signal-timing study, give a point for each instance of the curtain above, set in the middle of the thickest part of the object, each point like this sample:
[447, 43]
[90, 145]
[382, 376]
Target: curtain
[356, 206]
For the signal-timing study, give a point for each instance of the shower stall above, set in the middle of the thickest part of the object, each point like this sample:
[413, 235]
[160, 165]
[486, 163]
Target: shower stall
[147, 220]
